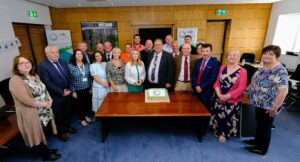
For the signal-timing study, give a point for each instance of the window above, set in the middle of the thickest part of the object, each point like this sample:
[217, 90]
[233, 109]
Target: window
[95, 32]
[287, 34]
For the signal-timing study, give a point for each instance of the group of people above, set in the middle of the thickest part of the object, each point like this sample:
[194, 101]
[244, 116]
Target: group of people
[43, 98]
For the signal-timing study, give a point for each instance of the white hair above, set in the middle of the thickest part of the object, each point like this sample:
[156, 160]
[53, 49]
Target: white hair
[47, 49]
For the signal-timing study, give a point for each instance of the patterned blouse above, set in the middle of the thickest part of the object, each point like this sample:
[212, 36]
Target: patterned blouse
[38, 91]
[81, 77]
[265, 84]
[116, 74]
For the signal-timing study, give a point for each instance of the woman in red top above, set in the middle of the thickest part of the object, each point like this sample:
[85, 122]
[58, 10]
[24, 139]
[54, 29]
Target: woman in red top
[227, 101]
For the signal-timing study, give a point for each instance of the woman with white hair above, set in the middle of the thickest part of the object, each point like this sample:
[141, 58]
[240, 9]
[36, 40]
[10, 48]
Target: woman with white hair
[115, 72]
[227, 100]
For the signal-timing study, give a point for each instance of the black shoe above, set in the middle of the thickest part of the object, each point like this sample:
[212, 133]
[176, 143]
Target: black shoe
[249, 142]
[273, 127]
[72, 130]
[51, 157]
[255, 151]
[53, 151]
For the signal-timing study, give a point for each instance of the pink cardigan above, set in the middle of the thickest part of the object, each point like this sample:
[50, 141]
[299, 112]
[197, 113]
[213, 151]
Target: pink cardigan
[236, 91]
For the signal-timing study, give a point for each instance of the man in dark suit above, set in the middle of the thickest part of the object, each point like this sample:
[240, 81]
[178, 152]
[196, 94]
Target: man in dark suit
[205, 74]
[56, 76]
[147, 51]
[184, 65]
[107, 55]
[83, 47]
[160, 70]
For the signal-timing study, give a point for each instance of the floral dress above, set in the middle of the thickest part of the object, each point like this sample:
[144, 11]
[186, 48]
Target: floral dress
[225, 116]
[38, 91]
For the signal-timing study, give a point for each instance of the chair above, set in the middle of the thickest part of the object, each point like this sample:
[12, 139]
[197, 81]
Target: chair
[293, 96]
[249, 57]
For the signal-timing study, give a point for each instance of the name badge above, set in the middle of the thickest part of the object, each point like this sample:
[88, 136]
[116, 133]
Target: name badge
[84, 79]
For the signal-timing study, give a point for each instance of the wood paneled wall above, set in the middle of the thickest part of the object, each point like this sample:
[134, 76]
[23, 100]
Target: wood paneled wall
[247, 29]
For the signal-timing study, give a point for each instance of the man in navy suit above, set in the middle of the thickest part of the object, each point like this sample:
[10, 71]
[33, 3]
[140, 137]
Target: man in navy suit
[205, 74]
[56, 76]
[107, 55]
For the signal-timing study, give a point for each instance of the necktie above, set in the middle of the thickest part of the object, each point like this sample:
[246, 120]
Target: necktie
[87, 57]
[61, 72]
[108, 58]
[201, 72]
[153, 69]
[186, 70]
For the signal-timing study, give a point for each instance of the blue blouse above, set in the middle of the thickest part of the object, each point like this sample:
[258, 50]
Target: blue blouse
[265, 84]
[98, 69]
[81, 77]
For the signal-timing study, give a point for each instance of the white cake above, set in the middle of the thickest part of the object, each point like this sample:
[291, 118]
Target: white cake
[156, 95]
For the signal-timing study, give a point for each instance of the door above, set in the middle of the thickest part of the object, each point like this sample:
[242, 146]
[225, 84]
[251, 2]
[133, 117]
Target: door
[215, 33]
[33, 41]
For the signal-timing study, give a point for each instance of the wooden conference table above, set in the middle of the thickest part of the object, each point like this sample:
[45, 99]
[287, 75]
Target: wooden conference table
[132, 105]
[8, 129]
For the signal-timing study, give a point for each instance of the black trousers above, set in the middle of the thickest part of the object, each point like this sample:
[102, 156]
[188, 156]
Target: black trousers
[263, 129]
[83, 103]
[62, 112]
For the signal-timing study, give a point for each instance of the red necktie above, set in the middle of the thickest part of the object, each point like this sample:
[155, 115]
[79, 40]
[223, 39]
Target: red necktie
[201, 72]
[186, 70]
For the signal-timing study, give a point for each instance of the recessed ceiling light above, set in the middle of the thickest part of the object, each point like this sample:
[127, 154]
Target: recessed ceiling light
[79, 4]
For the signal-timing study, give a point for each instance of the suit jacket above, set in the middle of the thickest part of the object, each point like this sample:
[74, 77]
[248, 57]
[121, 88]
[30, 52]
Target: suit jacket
[177, 62]
[53, 80]
[166, 69]
[89, 58]
[208, 78]
[144, 56]
[104, 57]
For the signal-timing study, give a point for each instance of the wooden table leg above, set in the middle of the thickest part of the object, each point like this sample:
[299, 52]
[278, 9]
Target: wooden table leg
[104, 128]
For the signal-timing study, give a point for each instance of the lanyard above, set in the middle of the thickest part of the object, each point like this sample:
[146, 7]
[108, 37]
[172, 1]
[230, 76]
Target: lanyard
[138, 73]
[82, 70]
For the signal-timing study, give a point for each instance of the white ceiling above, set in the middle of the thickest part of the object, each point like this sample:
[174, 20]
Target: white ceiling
[115, 3]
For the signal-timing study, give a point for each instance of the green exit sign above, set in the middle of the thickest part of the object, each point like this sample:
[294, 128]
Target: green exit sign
[221, 12]
[32, 13]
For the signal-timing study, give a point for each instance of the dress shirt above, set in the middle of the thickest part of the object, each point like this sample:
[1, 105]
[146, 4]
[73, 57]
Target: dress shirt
[156, 68]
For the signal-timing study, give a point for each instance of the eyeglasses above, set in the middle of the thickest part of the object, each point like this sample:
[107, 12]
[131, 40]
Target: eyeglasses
[25, 63]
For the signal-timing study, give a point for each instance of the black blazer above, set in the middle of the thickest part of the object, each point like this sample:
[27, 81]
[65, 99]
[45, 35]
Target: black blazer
[53, 80]
[104, 57]
[144, 56]
[166, 69]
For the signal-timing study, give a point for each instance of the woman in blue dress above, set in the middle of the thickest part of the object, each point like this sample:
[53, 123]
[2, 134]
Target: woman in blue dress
[100, 86]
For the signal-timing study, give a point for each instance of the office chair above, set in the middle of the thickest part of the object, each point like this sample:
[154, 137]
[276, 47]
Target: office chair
[293, 96]
[249, 57]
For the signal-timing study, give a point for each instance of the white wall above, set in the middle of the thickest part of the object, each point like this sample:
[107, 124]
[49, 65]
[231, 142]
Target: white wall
[16, 11]
[280, 8]
[283, 7]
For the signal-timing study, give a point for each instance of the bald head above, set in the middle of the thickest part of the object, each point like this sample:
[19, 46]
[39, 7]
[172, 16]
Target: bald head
[186, 49]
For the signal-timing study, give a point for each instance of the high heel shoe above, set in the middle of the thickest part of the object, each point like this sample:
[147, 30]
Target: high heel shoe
[222, 139]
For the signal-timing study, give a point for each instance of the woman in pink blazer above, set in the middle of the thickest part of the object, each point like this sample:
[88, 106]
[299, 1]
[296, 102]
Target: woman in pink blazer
[227, 100]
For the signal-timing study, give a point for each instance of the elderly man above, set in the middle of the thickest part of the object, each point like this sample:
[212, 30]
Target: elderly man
[83, 47]
[205, 74]
[188, 39]
[175, 47]
[160, 70]
[56, 76]
[100, 48]
[137, 43]
[107, 55]
[184, 65]
[147, 51]
[168, 45]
